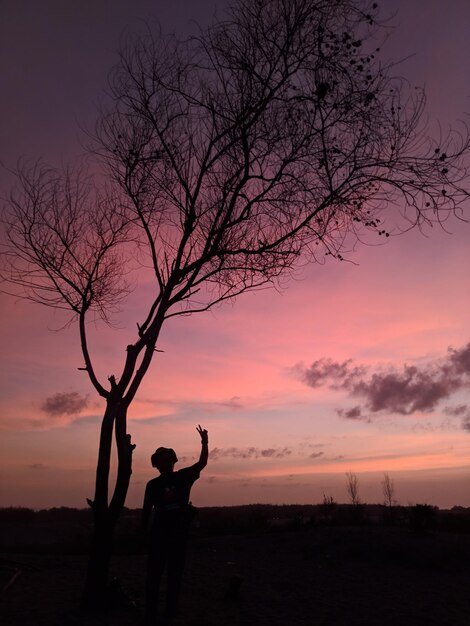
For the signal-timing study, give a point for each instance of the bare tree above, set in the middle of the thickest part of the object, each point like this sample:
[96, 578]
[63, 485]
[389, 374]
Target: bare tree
[352, 487]
[274, 138]
[388, 489]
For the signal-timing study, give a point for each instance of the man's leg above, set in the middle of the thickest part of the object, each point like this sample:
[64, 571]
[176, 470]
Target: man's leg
[156, 562]
[176, 560]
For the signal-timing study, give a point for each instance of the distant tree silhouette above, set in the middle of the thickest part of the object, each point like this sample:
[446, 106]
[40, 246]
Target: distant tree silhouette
[388, 489]
[272, 139]
[352, 487]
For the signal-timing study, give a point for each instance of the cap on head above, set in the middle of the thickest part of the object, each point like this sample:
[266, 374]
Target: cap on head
[163, 452]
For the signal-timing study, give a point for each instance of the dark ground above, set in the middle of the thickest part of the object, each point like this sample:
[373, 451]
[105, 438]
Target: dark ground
[316, 575]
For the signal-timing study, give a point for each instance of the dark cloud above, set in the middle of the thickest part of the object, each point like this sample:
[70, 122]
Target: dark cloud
[352, 414]
[316, 455]
[407, 391]
[71, 403]
[326, 371]
[463, 411]
[249, 453]
[460, 359]
[457, 411]
[404, 391]
[273, 452]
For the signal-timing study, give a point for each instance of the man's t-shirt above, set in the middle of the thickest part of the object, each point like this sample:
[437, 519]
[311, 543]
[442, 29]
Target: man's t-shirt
[168, 495]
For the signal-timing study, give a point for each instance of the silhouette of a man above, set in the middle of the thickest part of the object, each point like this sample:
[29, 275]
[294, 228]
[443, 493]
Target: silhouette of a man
[167, 515]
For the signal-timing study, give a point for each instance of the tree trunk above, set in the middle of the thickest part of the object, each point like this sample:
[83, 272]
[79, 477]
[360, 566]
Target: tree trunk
[105, 514]
[95, 594]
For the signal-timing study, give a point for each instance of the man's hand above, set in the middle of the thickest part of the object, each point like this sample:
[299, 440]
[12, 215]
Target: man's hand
[201, 464]
[204, 435]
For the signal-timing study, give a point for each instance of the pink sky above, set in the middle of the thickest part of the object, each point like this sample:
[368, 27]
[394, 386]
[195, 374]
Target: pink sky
[240, 371]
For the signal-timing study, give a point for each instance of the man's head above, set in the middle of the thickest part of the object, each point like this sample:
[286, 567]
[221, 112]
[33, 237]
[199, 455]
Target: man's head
[164, 460]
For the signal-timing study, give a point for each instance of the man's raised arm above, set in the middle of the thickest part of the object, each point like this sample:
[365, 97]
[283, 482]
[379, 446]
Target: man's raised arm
[201, 464]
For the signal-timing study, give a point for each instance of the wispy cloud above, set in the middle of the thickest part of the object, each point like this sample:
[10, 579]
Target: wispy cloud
[406, 390]
[68, 403]
[37, 466]
[249, 453]
[157, 411]
[461, 410]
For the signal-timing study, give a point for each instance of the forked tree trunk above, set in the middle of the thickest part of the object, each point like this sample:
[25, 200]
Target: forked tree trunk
[105, 513]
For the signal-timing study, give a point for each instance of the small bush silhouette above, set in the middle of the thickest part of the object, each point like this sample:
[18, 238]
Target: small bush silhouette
[423, 518]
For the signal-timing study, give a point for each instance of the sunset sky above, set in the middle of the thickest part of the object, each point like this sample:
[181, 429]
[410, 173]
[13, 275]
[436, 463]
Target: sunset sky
[361, 367]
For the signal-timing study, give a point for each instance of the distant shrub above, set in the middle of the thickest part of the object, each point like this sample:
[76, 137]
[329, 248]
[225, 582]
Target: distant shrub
[423, 518]
[65, 514]
[455, 520]
[17, 514]
[233, 520]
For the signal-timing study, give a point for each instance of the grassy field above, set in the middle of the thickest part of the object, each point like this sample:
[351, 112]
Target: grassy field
[258, 567]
